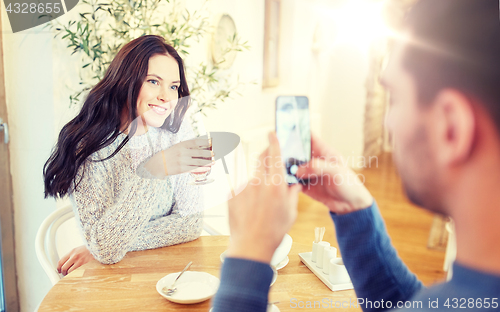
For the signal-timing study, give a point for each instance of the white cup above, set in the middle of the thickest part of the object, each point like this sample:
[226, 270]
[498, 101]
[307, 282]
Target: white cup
[338, 272]
[329, 253]
[314, 254]
[319, 258]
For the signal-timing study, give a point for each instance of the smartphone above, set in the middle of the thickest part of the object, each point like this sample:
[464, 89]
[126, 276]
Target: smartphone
[294, 133]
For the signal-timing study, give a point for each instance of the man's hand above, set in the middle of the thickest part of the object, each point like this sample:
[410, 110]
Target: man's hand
[263, 213]
[73, 260]
[333, 183]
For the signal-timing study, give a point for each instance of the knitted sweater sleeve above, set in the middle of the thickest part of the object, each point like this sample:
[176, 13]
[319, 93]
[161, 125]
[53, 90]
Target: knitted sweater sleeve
[183, 224]
[111, 217]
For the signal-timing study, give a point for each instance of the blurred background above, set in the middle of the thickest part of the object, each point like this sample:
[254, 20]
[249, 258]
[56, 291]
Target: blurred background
[240, 55]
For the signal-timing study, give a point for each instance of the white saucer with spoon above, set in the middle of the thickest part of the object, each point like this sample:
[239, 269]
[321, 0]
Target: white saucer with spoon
[188, 287]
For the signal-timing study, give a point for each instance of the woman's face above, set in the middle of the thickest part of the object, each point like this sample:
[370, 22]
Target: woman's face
[159, 92]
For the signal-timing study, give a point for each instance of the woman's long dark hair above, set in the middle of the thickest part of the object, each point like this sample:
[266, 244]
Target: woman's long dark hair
[100, 120]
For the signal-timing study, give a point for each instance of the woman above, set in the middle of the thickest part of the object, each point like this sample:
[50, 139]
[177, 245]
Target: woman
[135, 111]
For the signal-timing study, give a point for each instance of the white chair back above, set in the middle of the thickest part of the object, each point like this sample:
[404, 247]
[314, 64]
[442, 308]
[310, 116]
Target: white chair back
[45, 242]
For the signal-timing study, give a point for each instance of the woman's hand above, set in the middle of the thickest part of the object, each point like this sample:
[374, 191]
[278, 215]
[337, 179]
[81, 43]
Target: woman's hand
[74, 259]
[183, 157]
[332, 182]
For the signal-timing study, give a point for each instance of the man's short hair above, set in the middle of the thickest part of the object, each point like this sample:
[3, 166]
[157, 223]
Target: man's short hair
[456, 44]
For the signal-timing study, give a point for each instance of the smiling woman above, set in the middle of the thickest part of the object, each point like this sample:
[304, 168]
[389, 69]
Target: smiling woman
[134, 112]
[159, 96]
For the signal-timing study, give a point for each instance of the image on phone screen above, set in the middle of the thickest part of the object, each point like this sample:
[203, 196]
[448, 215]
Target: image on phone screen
[294, 133]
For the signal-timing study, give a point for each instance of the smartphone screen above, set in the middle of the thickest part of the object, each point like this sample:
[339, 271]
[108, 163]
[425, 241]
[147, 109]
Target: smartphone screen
[294, 133]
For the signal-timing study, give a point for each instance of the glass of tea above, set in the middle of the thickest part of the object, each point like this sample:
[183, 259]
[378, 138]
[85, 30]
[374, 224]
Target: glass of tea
[200, 174]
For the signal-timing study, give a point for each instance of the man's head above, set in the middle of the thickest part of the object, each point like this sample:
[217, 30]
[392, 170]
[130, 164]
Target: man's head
[444, 80]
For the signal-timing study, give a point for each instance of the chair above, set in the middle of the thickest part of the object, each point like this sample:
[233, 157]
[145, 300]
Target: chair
[45, 242]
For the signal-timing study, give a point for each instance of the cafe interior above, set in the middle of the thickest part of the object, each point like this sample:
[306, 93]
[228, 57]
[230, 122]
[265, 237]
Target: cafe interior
[240, 57]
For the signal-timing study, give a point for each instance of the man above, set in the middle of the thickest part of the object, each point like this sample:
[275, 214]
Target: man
[444, 79]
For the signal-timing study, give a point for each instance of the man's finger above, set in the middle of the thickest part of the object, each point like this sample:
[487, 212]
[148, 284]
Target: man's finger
[274, 145]
[294, 190]
[304, 170]
[318, 148]
[260, 170]
[312, 169]
[276, 166]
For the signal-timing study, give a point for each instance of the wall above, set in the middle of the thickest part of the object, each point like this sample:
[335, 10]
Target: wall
[256, 106]
[39, 71]
[333, 76]
[344, 102]
[29, 95]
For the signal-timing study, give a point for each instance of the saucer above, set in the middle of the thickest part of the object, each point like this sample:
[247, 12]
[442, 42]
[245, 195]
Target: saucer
[275, 276]
[283, 263]
[279, 266]
[283, 250]
[192, 287]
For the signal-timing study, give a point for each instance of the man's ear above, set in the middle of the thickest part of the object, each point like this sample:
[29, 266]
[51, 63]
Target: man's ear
[455, 126]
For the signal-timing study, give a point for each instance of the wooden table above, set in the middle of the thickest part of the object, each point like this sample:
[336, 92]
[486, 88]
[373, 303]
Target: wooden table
[130, 285]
